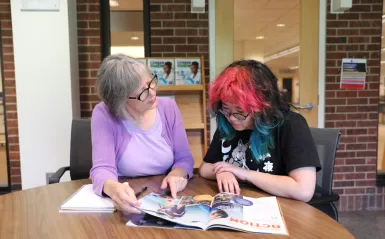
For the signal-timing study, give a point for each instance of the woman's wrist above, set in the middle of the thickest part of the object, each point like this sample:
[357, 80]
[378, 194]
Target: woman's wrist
[179, 172]
[109, 186]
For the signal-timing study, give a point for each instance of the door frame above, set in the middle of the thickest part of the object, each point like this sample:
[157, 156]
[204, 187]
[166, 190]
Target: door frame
[321, 59]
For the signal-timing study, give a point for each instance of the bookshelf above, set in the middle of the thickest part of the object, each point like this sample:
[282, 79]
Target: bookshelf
[191, 101]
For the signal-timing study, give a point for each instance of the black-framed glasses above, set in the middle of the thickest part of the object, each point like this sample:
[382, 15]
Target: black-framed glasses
[238, 116]
[143, 95]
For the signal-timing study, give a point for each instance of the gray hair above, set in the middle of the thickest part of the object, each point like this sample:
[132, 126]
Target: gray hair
[118, 77]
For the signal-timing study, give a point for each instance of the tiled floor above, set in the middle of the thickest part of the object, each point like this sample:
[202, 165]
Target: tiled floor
[364, 224]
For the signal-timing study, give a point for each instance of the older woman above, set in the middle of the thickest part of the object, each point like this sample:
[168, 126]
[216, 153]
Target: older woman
[134, 133]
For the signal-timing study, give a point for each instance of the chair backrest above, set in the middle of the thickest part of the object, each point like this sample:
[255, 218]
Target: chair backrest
[81, 149]
[326, 141]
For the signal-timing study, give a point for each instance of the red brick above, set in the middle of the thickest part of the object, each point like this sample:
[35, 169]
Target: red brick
[367, 154]
[203, 32]
[371, 161]
[178, 54]
[162, 32]
[354, 190]
[333, 86]
[367, 183]
[371, 31]
[155, 24]
[338, 177]
[336, 24]
[198, 40]
[329, 124]
[162, 48]
[357, 101]
[186, 48]
[88, 16]
[355, 175]
[335, 116]
[358, 116]
[348, 16]
[348, 32]
[203, 48]
[360, 8]
[372, 15]
[93, 8]
[356, 160]
[345, 109]
[345, 124]
[156, 40]
[343, 183]
[347, 94]
[364, 139]
[196, 24]
[186, 32]
[174, 40]
[336, 40]
[174, 23]
[161, 16]
[186, 15]
[358, 40]
[173, 8]
[94, 25]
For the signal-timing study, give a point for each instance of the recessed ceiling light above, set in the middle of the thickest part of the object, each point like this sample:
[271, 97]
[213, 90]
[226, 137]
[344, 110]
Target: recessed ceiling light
[260, 37]
[114, 3]
[134, 38]
[281, 25]
[293, 67]
[382, 37]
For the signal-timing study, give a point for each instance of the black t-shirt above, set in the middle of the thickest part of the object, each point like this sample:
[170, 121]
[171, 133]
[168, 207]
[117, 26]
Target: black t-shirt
[294, 148]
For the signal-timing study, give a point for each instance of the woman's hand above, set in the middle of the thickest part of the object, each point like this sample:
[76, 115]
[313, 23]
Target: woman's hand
[227, 183]
[238, 172]
[176, 180]
[122, 195]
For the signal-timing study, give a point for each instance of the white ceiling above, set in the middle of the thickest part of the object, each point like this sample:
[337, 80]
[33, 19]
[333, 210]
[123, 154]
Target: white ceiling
[128, 5]
[253, 18]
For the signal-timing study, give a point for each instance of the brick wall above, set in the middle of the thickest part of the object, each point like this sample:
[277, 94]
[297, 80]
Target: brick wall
[176, 32]
[355, 34]
[10, 93]
[89, 53]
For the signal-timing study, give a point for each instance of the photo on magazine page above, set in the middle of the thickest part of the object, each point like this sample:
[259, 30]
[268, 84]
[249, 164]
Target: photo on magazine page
[182, 210]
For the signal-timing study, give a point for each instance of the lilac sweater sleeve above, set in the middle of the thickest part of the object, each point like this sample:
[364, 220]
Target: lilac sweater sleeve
[103, 149]
[182, 154]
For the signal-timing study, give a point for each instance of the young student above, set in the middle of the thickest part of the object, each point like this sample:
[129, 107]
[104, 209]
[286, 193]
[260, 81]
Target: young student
[258, 140]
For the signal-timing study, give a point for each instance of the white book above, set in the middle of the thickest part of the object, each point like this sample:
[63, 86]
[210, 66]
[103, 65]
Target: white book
[85, 200]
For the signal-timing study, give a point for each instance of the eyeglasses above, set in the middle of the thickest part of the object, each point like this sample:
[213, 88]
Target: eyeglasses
[143, 95]
[238, 116]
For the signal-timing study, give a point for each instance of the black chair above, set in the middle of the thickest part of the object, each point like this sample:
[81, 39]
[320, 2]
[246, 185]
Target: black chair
[80, 152]
[326, 141]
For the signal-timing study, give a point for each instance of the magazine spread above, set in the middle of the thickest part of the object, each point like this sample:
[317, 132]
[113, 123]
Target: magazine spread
[203, 212]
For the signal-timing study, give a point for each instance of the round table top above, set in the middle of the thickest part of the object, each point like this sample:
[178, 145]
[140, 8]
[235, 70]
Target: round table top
[34, 213]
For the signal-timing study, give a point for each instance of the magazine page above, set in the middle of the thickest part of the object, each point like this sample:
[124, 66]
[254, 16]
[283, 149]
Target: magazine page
[188, 71]
[258, 215]
[164, 69]
[147, 220]
[185, 210]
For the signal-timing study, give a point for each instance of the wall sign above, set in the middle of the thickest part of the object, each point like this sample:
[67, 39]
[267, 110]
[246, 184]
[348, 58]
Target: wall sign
[353, 74]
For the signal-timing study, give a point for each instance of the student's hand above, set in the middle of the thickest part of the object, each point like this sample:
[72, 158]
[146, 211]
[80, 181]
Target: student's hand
[175, 180]
[226, 167]
[227, 183]
[122, 195]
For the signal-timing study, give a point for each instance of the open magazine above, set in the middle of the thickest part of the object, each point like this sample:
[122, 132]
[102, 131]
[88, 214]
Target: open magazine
[203, 212]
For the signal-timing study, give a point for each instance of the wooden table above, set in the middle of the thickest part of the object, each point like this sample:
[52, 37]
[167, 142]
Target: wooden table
[33, 213]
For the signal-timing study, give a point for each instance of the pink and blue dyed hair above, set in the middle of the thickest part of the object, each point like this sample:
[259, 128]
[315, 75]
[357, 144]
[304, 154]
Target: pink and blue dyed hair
[251, 86]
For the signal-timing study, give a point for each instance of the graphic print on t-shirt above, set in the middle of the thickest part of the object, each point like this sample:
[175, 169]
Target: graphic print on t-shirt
[237, 156]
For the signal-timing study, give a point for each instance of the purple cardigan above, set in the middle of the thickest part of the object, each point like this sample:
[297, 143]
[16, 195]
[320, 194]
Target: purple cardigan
[110, 139]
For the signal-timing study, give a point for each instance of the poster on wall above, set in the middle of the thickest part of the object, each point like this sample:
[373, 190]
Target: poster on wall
[164, 69]
[188, 71]
[353, 74]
